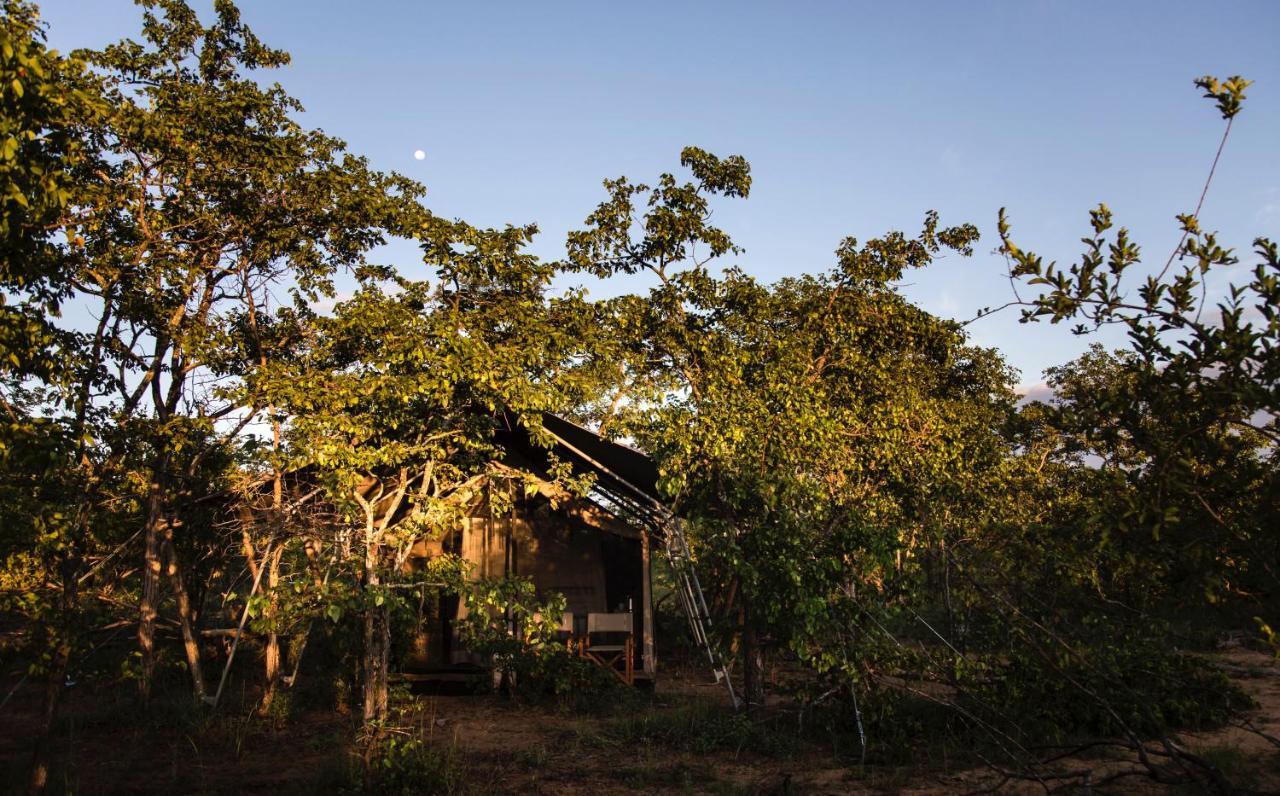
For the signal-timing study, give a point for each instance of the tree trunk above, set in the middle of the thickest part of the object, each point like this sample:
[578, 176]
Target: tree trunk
[384, 657]
[377, 613]
[372, 665]
[368, 698]
[190, 641]
[60, 638]
[372, 651]
[752, 660]
[148, 606]
[271, 655]
[39, 777]
[377, 650]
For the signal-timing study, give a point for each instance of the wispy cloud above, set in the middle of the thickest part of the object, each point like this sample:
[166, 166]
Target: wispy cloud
[1034, 391]
[327, 304]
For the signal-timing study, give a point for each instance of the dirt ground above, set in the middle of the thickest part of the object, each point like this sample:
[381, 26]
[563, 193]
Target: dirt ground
[497, 746]
[550, 755]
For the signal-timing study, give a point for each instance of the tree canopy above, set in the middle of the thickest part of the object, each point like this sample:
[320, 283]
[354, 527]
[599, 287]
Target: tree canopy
[867, 497]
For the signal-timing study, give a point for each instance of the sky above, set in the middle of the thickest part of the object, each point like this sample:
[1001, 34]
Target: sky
[857, 118]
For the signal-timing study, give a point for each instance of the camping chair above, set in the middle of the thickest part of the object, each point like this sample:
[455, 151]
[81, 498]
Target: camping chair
[606, 651]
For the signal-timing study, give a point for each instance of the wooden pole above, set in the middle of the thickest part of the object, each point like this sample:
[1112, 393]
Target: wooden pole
[648, 663]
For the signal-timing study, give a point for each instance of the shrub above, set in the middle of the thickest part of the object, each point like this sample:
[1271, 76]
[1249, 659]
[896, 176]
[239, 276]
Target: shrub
[507, 622]
[413, 767]
[699, 727]
[1106, 689]
[393, 766]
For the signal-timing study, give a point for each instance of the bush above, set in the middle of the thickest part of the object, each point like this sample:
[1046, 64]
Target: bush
[698, 727]
[1106, 689]
[394, 766]
[533, 662]
[412, 767]
[571, 682]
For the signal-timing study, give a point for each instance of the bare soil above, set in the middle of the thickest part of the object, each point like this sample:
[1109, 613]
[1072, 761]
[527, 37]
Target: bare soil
[107, 745]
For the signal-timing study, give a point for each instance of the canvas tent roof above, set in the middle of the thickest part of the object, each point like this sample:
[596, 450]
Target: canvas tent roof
[620, 470]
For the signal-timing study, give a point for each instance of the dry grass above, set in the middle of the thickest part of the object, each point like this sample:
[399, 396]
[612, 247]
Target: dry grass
[678, 740]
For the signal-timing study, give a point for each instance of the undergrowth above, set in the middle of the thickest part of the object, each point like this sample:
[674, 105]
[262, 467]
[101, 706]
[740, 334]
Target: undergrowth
[697, 727]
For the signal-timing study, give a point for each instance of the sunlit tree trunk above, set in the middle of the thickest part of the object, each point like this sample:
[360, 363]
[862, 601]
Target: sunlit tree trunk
[384, 658]
[375, 697]
[271, 653]
[379, 514]
[186, 616]
[149, 604]
[376, 654]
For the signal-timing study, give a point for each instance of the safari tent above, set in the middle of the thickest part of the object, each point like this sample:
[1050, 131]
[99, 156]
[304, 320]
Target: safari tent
[595, 550]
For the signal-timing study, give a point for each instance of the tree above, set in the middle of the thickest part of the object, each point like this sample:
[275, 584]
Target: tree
[190, 198]
[51, 106]
[214, 196]
[1188, 415]
[395, 405]
[812, 429]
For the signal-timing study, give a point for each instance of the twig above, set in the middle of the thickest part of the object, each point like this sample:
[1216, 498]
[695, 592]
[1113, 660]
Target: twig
[1200, 204]
[1248, 725]
[13, 690]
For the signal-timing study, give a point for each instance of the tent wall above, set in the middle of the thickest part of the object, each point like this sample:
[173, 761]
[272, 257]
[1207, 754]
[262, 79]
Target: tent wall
[596, 571]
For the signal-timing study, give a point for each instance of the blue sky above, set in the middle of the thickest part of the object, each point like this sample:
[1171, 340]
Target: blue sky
[856, 117]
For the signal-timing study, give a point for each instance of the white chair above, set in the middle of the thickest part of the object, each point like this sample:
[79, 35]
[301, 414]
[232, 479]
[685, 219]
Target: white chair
[600, 645]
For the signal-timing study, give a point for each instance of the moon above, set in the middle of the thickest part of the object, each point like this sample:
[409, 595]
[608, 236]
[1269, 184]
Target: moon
[419, 154]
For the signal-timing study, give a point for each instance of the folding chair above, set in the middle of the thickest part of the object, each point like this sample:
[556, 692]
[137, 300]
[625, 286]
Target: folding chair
[601, 646]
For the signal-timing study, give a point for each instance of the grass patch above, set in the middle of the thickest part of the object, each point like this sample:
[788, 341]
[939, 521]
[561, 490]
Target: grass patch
[697, 727]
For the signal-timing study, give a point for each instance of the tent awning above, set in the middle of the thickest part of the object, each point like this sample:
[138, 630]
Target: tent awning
[618, 468]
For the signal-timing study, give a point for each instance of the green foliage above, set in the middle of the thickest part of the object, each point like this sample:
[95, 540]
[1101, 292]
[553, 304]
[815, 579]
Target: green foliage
[698, 727]
[1227, 94]
[674, 222]
[394, 400]
[410, 766]
[1269, 636]
[507, 622]
[395, 765]
[506, 614]
[809, 429]
[863, 493]
[1186, 419]
[46, 153]
[1120, 687]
